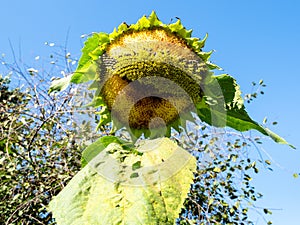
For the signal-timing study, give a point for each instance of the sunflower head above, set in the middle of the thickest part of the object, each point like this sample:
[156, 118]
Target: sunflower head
[150, 77]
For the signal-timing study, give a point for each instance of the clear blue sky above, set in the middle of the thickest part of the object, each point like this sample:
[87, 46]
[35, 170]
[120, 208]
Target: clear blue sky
[253, 40]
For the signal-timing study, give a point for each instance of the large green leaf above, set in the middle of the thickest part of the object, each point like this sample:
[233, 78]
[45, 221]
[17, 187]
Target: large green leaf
[121, 187]
[95, 148]
[228, 108]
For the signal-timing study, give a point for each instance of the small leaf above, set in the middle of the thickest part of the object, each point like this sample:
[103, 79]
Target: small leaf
[296, 175]
[217, 170]
[211, 201]
[268, 162]
[59, 84]
[265, 120]
[266, 211]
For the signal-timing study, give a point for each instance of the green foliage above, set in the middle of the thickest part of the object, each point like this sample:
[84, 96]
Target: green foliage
[39, 146]
[142, 191]
[37, 158]
[222, 191]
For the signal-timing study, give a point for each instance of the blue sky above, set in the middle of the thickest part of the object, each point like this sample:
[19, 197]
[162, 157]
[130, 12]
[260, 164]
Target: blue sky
[253, 40]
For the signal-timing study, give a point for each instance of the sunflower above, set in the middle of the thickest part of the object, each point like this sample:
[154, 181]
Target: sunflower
[148, 76]
[151, 76]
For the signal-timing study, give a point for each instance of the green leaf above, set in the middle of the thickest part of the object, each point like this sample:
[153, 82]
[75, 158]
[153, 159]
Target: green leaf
[86, 67]
[231, 91]
[95, 148]
[85, 73]
[225, 107]
[296, 175]
[59, 84]
[105, 116]
[151, 194]
[90, 44]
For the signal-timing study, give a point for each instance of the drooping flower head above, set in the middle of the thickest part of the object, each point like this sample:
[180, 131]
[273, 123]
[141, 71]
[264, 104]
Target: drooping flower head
[151, 76]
